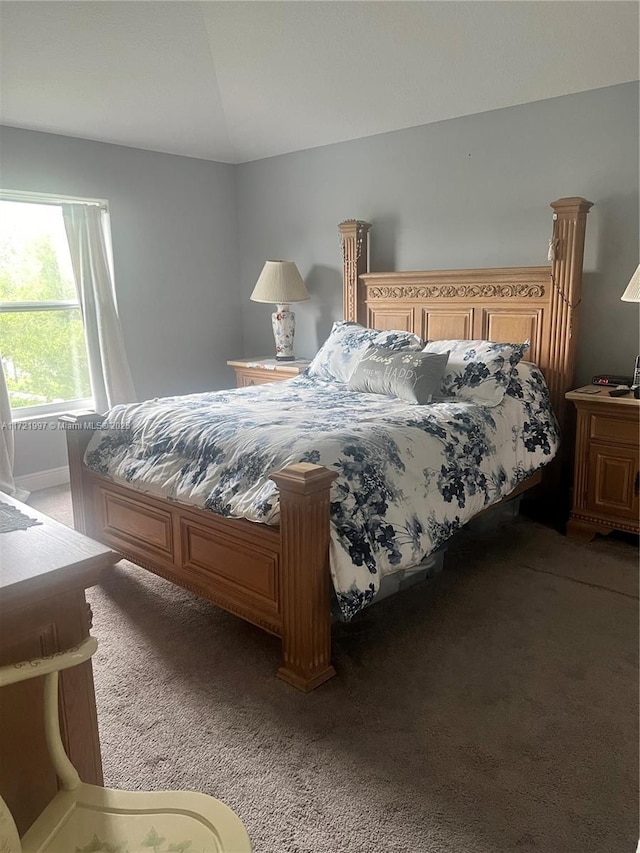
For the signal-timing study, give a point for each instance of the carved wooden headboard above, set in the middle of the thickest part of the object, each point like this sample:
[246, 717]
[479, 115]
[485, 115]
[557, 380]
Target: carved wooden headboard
[510, 304]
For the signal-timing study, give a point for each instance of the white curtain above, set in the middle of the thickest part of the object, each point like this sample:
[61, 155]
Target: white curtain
[7, 483]
[109, 372]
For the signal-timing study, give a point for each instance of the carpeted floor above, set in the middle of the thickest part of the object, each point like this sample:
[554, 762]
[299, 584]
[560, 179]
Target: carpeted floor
[493, 709]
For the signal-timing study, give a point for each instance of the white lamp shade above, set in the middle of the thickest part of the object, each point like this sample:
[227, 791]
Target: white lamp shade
[280, 283]
[632, 293]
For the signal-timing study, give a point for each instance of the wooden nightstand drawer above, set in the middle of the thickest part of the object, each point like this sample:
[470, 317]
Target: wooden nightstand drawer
[611, 427]
[244, 378]
[260, 371]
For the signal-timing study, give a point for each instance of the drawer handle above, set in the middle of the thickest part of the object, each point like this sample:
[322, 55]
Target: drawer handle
[636, 485]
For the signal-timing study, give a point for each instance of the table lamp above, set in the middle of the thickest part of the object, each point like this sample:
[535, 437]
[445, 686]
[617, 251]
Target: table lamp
[632, 294]
[281, 283]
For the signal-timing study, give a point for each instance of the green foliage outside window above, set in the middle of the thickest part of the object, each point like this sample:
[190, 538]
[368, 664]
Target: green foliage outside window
[43, 352]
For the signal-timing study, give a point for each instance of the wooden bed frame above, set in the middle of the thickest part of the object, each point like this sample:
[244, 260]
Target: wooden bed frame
[278, 577]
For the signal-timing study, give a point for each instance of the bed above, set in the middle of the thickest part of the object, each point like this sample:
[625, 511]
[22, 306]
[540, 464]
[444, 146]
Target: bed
[277, 576]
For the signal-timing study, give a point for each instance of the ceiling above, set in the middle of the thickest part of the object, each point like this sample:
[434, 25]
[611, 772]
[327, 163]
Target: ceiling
[239, 81]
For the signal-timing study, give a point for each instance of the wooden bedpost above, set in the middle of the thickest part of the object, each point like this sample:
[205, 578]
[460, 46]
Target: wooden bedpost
[79, 429]
[567, 255]
[305, 583]
[569, 226]
[354, 237]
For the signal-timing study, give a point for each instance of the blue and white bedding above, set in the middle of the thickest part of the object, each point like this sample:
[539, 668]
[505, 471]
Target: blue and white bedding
[408, 476]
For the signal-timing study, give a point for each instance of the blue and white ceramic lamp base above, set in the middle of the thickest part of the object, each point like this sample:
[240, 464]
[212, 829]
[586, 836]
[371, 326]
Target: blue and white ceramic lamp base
[284, 326]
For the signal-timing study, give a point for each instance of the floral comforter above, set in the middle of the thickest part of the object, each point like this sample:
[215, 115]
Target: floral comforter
[408, 476]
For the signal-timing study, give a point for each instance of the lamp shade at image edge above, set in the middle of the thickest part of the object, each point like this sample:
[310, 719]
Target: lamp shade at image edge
[632, 292]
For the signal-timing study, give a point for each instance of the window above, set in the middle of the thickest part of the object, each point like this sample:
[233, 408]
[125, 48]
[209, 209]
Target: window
[42, 340]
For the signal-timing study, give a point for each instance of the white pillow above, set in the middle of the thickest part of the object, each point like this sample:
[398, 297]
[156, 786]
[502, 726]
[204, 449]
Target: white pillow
[479, 371]
[338, 357]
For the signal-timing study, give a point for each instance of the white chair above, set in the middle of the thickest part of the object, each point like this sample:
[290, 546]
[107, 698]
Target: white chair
[85, 817]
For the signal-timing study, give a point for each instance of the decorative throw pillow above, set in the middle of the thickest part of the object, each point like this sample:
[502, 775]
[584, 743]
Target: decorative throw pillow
[411, 376]
[479, 371]
[338, 356]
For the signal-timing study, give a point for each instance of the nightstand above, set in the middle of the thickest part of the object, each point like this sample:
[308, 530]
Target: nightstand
[606, 481]
[258, 371]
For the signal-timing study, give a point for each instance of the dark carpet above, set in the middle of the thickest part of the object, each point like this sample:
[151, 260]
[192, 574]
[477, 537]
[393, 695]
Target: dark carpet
[493, 709]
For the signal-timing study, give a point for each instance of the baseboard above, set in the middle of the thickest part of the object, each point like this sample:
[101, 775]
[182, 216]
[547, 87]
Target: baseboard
[44, 479]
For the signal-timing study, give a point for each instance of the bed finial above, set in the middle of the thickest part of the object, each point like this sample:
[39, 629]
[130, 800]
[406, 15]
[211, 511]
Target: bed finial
[354, 239]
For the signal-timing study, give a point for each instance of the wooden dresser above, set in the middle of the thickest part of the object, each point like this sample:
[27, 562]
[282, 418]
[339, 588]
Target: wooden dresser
[44, 571]
[606, 482]
[258, 371]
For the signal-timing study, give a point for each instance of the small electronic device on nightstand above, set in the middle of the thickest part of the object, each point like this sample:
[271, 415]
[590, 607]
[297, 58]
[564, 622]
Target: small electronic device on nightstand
[636, 379]
[620, 384]
[611, 380]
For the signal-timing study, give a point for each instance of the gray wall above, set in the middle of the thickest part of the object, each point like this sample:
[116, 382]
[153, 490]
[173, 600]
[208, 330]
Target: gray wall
[190, 236]
[174, 232]
[469, 192]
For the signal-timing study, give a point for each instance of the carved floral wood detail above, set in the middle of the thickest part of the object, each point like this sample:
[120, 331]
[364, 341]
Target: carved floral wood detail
[354, 240]
[462, 291]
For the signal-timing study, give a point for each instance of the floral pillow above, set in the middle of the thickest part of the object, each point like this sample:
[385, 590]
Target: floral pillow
[338, 357]
[479, 371]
